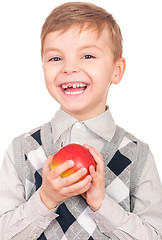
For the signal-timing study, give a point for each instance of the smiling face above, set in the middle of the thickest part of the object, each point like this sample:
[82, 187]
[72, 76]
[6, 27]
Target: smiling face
[78, 69]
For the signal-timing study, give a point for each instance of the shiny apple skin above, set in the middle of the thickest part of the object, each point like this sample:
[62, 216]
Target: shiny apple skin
[79, 154]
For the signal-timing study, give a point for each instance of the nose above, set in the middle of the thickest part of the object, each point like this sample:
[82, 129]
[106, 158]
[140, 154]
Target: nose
[70, 67]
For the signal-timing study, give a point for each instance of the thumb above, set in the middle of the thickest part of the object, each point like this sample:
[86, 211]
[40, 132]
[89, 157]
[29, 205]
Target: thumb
[47, 166]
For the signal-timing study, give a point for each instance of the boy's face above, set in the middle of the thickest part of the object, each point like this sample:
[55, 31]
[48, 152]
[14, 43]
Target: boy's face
[78, 70]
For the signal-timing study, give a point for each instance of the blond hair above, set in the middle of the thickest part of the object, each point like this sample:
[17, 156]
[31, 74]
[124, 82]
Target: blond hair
[85, 15]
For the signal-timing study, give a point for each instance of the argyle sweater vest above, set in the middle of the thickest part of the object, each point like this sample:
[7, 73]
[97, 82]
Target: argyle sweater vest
[124, 158]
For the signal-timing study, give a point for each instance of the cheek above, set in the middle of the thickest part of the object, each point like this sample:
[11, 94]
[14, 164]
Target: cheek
[46, 72]
[100, 77]
[49, 74]
[98, 72]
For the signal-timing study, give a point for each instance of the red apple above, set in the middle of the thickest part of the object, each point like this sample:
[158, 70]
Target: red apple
[79, 154]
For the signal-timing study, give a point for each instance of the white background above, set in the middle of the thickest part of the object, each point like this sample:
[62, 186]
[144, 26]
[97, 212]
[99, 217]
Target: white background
[135, 103]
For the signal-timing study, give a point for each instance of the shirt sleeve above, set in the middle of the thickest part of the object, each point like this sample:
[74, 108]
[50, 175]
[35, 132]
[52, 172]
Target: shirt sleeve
[145, 221]
[16, 215]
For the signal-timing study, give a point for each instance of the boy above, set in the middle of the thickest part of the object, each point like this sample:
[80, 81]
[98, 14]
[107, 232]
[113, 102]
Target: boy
[122, 198]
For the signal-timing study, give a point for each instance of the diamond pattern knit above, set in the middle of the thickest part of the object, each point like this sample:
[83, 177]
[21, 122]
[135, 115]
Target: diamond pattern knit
[124, 158]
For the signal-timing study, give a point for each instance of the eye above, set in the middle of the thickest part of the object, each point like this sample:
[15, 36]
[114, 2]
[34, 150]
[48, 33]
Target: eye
[55, 59]
[88, 56]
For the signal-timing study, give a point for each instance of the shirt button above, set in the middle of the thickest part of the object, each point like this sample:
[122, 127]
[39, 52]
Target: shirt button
[78, 125]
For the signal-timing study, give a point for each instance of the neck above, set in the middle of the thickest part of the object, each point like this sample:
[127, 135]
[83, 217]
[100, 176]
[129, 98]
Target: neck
[85, 116]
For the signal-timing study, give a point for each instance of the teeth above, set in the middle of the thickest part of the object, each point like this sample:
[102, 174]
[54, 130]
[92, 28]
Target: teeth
[64, 86]
[75, 85]
[74, 93]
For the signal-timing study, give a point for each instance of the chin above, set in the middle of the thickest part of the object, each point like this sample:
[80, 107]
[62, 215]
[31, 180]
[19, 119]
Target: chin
[74, 111]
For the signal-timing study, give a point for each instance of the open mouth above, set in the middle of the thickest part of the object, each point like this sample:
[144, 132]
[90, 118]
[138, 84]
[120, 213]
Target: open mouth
[74, 88]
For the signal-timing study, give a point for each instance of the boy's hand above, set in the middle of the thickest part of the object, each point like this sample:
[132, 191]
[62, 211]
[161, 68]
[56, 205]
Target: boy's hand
[55, 189]
[95, 194]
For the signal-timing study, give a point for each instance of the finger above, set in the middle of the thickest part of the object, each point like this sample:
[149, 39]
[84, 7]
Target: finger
[57, 171]
[93, 149]
[96, 152]
[81, 191]
[66, 181]
[46, 167]
[85, 189]
[98, 158]
[92, 171]
[79, 187]
[86, 146]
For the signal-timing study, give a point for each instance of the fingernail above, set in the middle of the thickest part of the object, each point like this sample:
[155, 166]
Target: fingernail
[92, 167]
[84, 170]
[89, 177]
[71, 163]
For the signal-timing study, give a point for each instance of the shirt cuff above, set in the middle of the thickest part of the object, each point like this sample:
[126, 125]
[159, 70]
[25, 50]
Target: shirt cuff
[110, 216]
[38, 213]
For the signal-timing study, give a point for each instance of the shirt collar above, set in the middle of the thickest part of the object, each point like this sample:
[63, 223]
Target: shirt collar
[60, 123]
[103, 124]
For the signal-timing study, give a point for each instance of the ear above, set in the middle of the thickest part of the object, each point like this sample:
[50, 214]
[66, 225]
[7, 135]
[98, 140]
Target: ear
[119, 69]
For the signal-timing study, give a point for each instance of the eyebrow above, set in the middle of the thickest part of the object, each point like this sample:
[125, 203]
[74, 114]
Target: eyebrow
[51, 49]
[90, 46]
[81, 48]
